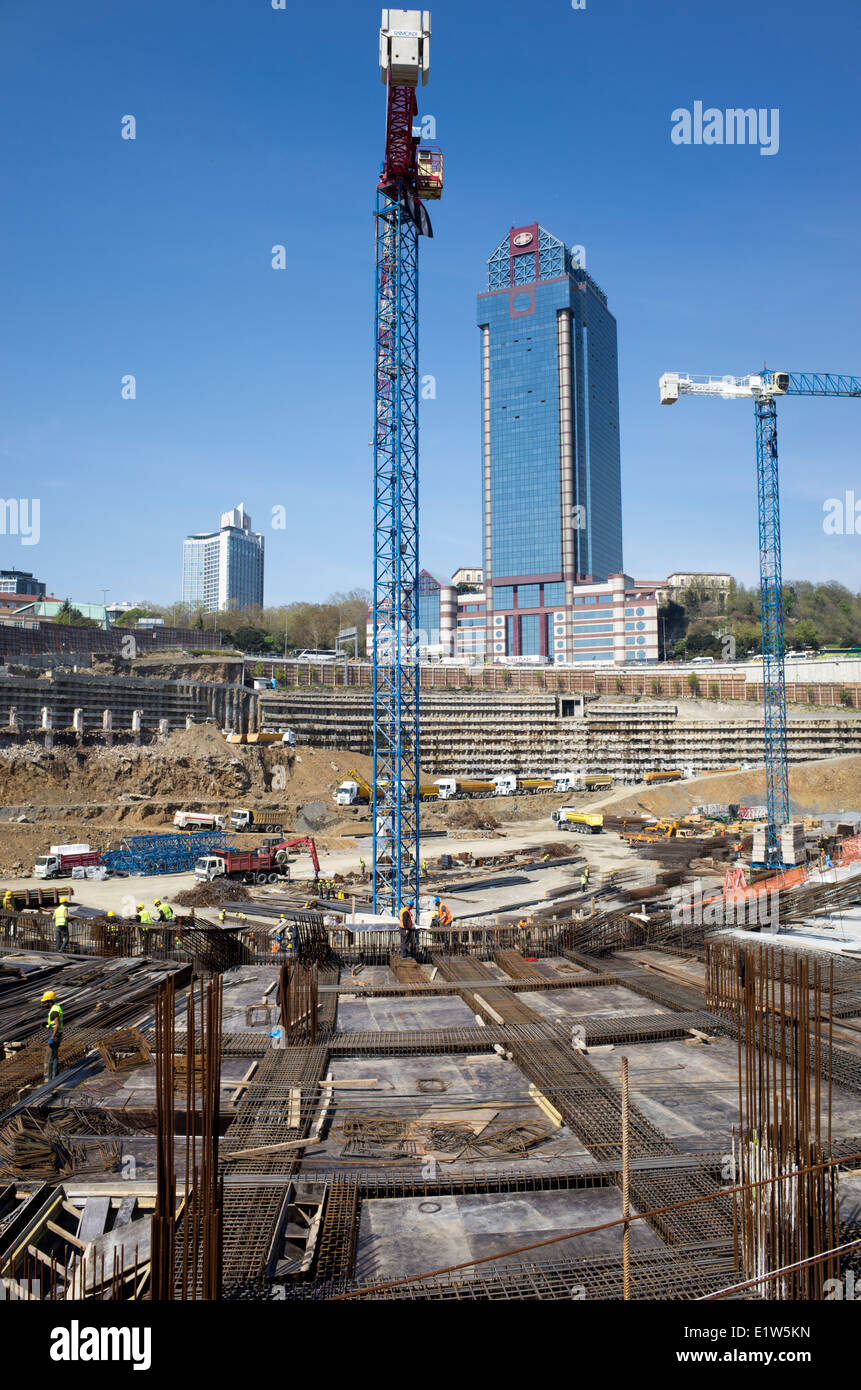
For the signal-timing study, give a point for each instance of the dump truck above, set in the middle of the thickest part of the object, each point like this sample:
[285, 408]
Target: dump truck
[456, 788]
[535, 784]
[583, 822]
[652, 777]
[258, 821]
[354, 791]
[269, 865]
[62, 859]
[428, 791]
[199, 820]
[582, 781]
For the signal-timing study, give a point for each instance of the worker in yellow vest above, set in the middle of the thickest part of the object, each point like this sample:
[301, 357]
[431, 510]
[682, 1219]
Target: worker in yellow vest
[61, 924]
[55, 1034]
[8, 901]
[164, 910]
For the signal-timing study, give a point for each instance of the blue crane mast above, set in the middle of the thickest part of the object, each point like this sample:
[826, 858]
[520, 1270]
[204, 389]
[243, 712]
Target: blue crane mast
[764, 388]
[408, 175]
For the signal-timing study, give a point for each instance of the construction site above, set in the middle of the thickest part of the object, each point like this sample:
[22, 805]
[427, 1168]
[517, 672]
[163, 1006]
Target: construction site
[392, 982]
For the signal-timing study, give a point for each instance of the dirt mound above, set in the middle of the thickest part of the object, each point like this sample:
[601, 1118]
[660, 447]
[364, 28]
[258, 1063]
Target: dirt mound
[219, 890]
[830, 784]
[472, 818]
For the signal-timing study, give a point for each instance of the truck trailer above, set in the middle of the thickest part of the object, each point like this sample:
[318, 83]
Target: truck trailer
[199, 820]
[456, 788]
[582, 822]
[258, 821]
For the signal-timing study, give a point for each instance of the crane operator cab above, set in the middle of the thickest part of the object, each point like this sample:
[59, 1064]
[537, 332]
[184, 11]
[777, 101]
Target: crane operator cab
[429, 172]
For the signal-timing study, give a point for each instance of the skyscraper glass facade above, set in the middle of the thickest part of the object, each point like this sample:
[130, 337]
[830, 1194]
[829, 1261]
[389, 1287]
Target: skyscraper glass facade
[550, 437]
[224, 569]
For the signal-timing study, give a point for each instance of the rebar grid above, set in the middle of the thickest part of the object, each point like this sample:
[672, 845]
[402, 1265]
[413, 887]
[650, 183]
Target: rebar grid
[683, 1273]
[250, 1214]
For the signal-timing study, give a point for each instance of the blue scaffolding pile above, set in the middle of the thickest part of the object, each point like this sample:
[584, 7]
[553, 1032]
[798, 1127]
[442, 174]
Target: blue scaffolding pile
[163, 854]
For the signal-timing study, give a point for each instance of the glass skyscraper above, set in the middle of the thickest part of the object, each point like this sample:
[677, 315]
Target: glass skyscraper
[550, 440]
[224, 568]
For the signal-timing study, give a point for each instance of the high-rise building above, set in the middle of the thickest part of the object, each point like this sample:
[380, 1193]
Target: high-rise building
[224, 568]
[550, 442]
[20, 584]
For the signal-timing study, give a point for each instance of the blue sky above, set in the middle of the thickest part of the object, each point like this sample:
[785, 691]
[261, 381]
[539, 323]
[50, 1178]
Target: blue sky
[258, 126]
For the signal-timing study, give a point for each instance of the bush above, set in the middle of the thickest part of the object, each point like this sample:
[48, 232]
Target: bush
[694, 683]
[845, 696]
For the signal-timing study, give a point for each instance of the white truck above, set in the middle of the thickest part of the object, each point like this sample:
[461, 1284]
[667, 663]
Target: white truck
[199, 820]
[64, 859]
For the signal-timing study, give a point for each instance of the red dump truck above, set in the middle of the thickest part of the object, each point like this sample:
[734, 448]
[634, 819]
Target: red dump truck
[267, 865]
[62, 859]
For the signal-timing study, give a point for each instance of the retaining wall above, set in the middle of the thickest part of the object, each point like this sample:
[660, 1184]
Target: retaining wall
[479, 734]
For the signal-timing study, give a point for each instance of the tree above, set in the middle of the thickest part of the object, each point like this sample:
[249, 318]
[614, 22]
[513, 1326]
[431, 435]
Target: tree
[69, 616]
[693, 684]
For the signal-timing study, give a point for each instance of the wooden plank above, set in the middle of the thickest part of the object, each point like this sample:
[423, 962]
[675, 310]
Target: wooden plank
[368, 1082]
[263, 1149]
[94, 1219]
[66, 1235]
[294, 1108]
[126, 1211]
[544, 1104]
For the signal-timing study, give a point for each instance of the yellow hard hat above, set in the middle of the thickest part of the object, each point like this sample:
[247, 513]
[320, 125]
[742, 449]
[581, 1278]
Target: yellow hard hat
[156, 902]
[140, 907]
[64, 900]
[48, 997]
[112, 914]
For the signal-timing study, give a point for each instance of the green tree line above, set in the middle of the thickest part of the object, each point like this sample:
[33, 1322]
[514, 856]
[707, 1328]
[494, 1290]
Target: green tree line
[815, 616]
[290, 627]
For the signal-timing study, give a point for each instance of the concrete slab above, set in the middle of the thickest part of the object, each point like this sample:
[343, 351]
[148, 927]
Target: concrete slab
[398, 1014]
[488, 1080]
[559, 1004]
[410, 1236]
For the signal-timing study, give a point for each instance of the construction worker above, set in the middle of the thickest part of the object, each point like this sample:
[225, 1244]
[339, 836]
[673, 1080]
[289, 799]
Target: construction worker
[405, 927]
[442, 916]
[222, 916]
[423, 871]
[111, 930]
[8, 901]
[55, 1034]
[363, 869]
[144, 916]
[164, 910]
[61, 923]
[584, 879]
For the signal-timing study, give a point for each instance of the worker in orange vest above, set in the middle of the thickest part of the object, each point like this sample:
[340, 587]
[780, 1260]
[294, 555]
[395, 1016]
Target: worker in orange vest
[443, 916]
[405, 926]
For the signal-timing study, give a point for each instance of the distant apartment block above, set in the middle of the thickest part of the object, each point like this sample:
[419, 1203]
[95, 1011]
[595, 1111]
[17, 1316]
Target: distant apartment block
[18, 587]
[468, 574]
[224, 569]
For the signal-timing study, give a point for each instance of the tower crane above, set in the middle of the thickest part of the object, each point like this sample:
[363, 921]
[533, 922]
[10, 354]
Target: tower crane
[409, 174]
[764, 389]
